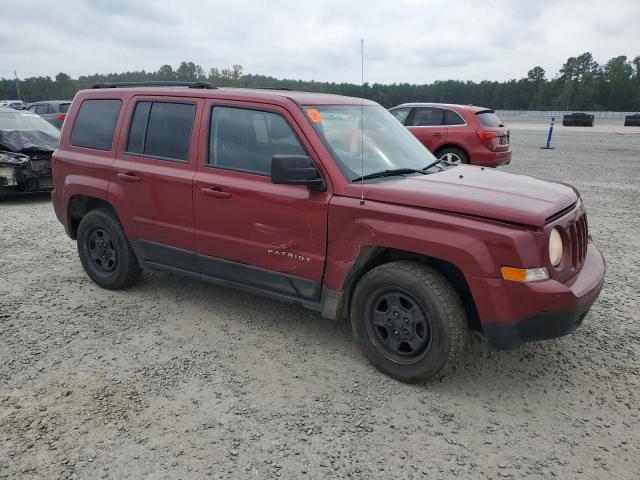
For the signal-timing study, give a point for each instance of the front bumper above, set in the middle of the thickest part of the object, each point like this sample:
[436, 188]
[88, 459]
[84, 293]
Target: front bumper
[514, 313]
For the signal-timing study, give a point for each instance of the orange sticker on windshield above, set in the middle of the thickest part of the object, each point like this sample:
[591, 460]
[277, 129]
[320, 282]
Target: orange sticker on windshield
[314, 115]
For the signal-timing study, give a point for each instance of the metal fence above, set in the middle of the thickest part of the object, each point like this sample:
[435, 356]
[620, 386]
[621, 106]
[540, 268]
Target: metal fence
[559, 113]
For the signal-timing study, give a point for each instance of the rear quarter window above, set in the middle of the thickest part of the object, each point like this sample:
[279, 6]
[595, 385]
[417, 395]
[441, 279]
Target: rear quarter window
[95, 124]
[489, 119]
[64, 107]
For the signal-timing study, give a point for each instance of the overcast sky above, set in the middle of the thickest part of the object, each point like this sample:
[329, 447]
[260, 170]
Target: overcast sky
[405, 41]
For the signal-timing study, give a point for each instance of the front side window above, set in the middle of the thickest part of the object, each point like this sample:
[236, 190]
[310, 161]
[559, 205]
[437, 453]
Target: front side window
[427, 117]
[246, 140]
[161, 130]
[42, 109]
[367, 139]
[95, 124]
[401, 114]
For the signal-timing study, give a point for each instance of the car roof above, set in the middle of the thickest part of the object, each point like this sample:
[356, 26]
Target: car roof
[50, 101]
[12, 110]
[247, 94]
[470, 108]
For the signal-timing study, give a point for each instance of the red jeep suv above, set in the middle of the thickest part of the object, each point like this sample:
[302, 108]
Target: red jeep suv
[324, 201]
[457, 133]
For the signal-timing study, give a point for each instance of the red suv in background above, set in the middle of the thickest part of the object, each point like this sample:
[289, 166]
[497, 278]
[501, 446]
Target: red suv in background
[458, 133]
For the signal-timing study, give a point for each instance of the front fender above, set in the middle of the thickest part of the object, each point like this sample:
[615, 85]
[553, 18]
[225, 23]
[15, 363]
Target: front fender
[476, 246]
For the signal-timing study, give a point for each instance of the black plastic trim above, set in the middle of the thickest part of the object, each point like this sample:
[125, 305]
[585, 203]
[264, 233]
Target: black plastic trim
[217, 270]
[542, 326]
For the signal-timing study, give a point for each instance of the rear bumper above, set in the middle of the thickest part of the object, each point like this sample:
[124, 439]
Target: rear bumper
[514, 313]
[490, 159]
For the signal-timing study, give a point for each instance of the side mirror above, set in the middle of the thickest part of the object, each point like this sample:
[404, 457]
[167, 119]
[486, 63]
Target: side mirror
[296, 170]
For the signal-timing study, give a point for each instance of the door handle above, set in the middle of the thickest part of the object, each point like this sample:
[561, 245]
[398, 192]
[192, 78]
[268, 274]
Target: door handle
[129, 177]
[437, 134]
[215, 192]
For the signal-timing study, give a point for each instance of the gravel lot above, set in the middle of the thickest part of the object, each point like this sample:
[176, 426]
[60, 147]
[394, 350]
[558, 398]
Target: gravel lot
[179, 379]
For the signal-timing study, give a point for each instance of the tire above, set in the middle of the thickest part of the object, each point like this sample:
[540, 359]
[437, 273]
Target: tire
[105, 252]
[455, 155]
[425, 344]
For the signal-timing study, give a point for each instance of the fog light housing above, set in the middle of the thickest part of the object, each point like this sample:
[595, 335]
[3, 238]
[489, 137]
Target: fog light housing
[523, 275]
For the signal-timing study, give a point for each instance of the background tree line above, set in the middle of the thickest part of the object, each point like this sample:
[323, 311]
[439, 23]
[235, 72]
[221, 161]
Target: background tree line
[581, 84]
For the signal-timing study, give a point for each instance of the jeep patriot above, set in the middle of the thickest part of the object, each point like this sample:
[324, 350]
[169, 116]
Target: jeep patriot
[328, 202]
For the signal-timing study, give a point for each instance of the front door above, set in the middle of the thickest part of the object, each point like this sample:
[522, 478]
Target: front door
[427, 124]
[250, 231]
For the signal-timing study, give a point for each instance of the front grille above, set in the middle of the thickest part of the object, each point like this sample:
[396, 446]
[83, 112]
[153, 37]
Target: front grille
[578, 231]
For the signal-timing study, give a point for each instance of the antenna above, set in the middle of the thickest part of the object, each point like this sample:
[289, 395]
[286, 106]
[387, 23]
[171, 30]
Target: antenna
[362, 122]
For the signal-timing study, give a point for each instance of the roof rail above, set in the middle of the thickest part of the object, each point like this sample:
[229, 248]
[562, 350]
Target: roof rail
[156, 83]
[286, 89]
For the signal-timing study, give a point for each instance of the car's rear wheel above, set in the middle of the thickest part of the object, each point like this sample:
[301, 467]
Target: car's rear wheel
[453, 155]
[105, 252]
[409, 321]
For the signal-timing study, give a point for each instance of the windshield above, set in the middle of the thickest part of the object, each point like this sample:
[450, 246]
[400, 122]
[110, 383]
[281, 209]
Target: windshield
[26, 121]
[348, 130]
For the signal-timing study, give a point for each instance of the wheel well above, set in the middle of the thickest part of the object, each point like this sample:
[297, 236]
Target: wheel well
[371, 257]
[79, 206]
[450, 145]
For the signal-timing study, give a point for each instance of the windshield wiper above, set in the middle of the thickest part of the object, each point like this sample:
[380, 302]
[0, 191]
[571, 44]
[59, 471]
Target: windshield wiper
[388, 173]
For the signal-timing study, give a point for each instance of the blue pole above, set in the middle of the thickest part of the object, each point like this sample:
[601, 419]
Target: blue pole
[549, 147]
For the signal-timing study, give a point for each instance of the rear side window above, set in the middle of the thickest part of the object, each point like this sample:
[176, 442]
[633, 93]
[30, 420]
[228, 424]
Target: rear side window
[64, 107]
[427, 117]
[242, 139]
[161, 130]
[489, 119]
[452, 118]
[95, 124]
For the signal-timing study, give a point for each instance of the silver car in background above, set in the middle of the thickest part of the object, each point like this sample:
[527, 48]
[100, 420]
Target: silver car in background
[53, 111]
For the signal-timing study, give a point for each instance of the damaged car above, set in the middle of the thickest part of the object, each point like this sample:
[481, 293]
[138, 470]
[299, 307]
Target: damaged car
[26, 144]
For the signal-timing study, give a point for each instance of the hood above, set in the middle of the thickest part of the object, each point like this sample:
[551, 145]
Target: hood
[481, 192]
[21, 141]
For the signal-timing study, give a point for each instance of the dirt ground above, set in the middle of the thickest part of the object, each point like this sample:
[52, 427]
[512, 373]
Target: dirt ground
[179, 379]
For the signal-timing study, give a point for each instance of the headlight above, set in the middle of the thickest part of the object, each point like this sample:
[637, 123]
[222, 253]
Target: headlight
[8, 173]
[555, 247]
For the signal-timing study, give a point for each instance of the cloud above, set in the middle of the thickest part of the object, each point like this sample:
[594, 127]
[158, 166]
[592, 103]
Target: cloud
[405, 41]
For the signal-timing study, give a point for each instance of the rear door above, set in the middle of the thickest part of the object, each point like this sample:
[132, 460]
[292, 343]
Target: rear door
[249, 230]
[427, 124]
[152, 177]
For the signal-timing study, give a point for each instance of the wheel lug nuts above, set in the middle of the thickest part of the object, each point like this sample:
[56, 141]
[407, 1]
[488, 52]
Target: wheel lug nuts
[406, 320]
[395, 332]
[406, 332]
[395, 314]
[389, 321]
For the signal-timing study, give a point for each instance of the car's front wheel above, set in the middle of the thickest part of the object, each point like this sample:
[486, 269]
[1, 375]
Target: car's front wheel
[409, 321]
[105, 252]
